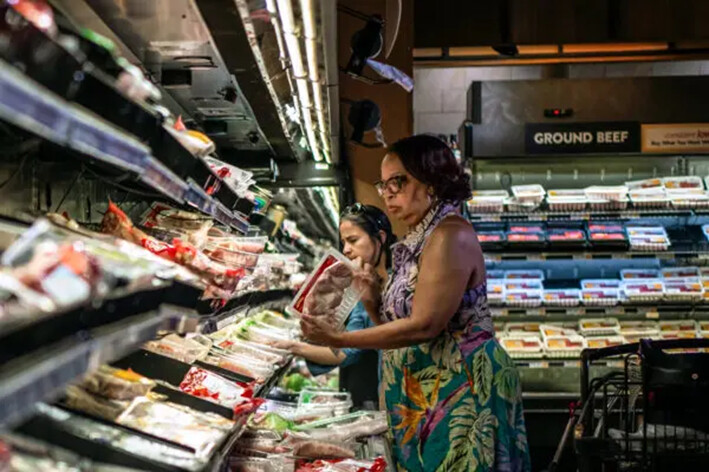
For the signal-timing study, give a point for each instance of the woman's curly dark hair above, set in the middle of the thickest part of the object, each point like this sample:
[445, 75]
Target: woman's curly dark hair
[431, 161]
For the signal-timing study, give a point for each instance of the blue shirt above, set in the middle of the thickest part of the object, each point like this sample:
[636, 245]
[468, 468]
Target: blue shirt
[358, 319]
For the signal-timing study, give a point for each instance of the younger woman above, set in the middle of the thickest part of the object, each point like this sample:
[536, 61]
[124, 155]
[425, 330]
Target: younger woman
[366, 236]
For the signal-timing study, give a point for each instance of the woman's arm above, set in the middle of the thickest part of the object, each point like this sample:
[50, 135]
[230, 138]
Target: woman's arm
[318, 354]
[447, 263]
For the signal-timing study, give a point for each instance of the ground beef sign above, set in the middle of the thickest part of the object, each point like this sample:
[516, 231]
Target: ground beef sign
[584, 138]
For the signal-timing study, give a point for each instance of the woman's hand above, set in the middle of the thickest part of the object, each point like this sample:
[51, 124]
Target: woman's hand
[317, 329]
[368, 283]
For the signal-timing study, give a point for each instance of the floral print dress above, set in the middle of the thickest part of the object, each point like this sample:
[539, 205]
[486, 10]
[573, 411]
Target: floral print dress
[454, 402]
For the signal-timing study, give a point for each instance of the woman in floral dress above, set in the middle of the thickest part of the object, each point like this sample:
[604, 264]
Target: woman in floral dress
[452, 393]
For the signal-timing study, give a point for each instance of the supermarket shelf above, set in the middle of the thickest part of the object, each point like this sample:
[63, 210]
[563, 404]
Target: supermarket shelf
[41, 376]
[237, 308]
[665, 311]
[630, 214]
[571, 362]
[28, 105]
[700, 253]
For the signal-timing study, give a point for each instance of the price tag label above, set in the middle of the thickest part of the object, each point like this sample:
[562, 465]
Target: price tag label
[536, 257]
[536, 311]
[538, 365]
[572, 364]
[492, 258]
[652, 315]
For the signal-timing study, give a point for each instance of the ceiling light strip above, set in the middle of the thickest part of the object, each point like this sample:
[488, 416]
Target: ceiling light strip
[285, 13]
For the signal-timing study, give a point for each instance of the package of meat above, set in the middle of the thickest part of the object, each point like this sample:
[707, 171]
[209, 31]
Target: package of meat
[117, 384]
[242, 365]
[526, 329]
[79, 399]
[634, 274]
[270, 463]
[522, 346]
[311, 449]
[681, 273]
[562, 297]
[348, 465]
[345, 427]
[598, 342]
[200, 431]
[215, 388]
[179, 348]
[599, 326]
[557, 329]
[564, 346]
[328, 291]
[531, 274]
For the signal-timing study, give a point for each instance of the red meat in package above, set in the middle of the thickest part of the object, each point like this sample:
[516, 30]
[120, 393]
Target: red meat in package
[210, 386]
[328, 291]
[344, 465]
[117, 223]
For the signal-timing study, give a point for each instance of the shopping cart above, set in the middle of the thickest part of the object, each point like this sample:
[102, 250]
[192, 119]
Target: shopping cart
[650, 415]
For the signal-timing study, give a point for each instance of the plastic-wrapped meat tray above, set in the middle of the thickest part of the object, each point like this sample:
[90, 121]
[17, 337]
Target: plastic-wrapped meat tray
[688, 272]
[683, 183]
[519, 285]
[566, 238]
[599, 326]
[566, 200]
[529, 193]
[599, 342]
[564, 346]
[526, 240]
[491, 239]
[532, 274]
[633, 331]
[523, 298]
[562, 297]
[683, 290]
[522, 346]
[617, 193]
[644, 290]
[527, 329]
[600, 296]
[639, 274]
[589, 284]
[649, 198]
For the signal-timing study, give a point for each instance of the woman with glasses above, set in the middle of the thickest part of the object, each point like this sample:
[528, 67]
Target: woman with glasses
[366, 237]
[452, 393]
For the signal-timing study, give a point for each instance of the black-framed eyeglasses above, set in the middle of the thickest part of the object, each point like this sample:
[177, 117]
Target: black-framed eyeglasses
[393, 185]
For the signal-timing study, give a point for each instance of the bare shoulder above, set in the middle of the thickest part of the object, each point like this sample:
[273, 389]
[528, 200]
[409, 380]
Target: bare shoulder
[454, 231]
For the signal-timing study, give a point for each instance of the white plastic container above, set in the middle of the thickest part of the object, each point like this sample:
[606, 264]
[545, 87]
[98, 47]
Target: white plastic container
[646, 183]
[515, 206]
[567, 200]
[564, 346]
[556, 329]
[689, 272]
[530, 284]
[599, 342]
[687, 326]
[683, 183]
[520, 328]
[616, 193]
[599, 326]
[529, 193]
[523, 298]
[608, 205]
[681, 291]
[600, 296]
[532, 274]
[522, 346]
[562, 297]
[486, 204]
[589, 284]
[654, 197]
[683, 201]
[642, 274]
[633, 331]
[644, 290]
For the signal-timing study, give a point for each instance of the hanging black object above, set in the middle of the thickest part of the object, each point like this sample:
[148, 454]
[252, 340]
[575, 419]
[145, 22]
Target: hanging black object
[365, 116]
[365, 44]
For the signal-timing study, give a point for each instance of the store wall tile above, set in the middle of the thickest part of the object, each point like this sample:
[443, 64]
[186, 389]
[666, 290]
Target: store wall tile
[488, 73]
[630, 69]
[677, 68]
[454, 100]
[428, 97]
[527, 73]
[438, 123]
[587, 71]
